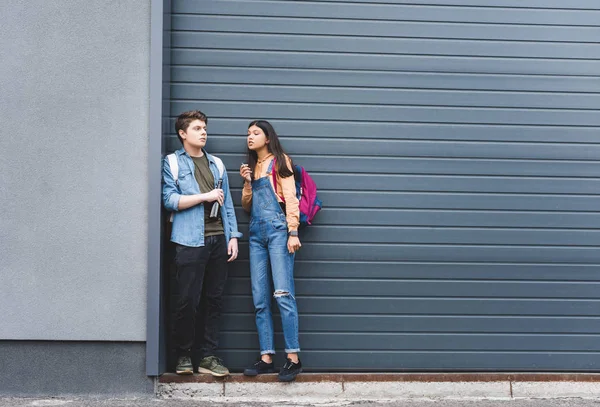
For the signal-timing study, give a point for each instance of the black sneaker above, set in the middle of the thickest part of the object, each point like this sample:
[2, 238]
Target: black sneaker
[289, 371]
[260, 367]
[184, 365]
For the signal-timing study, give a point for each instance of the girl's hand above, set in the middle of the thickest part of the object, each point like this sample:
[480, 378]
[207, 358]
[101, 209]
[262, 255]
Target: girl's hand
[293, 244]
[246, 172]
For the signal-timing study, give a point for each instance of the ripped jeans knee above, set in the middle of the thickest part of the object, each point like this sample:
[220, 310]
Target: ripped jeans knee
[282, 293]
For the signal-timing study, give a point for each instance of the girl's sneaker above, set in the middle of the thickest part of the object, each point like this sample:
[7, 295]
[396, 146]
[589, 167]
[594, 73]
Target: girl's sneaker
[259, 367]
[290, 370]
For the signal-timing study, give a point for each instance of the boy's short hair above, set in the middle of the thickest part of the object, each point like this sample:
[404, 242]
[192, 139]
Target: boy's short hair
[184, 120]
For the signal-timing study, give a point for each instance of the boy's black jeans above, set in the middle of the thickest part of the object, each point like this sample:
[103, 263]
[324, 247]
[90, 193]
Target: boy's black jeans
[199, 285]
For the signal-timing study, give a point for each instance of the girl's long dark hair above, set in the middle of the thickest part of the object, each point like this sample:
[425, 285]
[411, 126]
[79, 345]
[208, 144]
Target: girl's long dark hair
[274, 148]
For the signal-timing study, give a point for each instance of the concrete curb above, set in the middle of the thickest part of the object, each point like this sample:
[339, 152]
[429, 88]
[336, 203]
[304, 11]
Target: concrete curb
[313, 387]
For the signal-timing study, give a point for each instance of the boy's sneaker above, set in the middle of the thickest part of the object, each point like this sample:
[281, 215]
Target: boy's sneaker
[212, 365]
[259, 367]
[184, 365]
[289, 371]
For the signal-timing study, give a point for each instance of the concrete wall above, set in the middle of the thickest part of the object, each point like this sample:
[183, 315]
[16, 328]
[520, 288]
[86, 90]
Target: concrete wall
[73, 169]
[56, 368]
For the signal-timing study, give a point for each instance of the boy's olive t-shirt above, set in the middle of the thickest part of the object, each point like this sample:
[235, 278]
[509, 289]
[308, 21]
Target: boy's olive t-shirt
[206, 182]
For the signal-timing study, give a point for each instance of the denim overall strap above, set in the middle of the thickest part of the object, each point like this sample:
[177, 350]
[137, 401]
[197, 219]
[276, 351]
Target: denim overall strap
[265, 205]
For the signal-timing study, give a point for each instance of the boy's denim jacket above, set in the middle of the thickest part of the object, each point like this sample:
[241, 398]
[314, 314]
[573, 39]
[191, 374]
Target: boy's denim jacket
[188, 224]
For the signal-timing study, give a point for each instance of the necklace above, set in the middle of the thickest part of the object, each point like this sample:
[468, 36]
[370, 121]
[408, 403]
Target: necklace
[265, 158]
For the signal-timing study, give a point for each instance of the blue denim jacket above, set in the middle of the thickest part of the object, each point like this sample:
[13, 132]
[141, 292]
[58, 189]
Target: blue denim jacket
[188, 224]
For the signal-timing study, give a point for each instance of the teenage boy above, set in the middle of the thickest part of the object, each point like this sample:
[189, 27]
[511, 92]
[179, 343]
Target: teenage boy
[203, 244]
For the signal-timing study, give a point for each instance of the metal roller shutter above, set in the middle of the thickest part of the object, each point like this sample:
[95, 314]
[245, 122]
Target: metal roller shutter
[456, 146]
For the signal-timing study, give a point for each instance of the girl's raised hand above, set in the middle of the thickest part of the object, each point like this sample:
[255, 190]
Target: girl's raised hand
[246, 172]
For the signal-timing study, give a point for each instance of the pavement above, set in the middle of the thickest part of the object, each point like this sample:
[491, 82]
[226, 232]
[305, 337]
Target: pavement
[352, 387]
[153, 402]
[356, 390]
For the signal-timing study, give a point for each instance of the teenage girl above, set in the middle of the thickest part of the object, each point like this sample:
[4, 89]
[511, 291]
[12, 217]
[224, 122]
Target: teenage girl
[274, 219]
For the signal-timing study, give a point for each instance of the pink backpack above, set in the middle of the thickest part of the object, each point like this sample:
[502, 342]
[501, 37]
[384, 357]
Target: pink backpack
[306, 192]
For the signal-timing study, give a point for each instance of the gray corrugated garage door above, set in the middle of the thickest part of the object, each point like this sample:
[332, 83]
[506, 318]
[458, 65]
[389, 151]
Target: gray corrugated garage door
[456, 144]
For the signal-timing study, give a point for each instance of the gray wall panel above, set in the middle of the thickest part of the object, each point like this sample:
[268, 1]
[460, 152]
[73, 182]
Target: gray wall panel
[381, 80]
[391, 287]
[378, 148]
[344, 234]
[394, 12]
[410, 360]
[376, 62]
[363, 96]
[451, 166]
[369, 28]
[346, 341]
[543, 4]
[405, 182]
[437, 114]
[73, 169]
[460, 218]
[434, 324]
[387, 46]
[104, 369]
[447, 183]
[369, 131]
[312, 304]
[304, 94]
[464, 201]
[452, 218]
[456, 149]
[429, 270]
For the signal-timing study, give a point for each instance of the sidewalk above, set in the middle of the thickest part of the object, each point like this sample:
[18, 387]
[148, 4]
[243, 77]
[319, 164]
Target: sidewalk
[80, 402]
[317, 387]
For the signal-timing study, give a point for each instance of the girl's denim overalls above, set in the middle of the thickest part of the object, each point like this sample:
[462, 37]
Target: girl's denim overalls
[271, 268]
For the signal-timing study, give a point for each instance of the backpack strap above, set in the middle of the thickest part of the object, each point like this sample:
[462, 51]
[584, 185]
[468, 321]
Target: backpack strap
[220, 165]
[174, 166]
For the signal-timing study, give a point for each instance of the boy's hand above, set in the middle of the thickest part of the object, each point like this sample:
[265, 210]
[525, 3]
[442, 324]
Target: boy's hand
[215, 195]
[232, 249]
